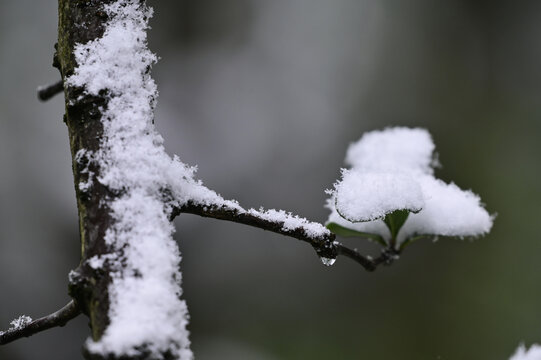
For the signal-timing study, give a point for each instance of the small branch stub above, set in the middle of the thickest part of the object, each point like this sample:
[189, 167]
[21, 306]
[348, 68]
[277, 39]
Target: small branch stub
[47, 92]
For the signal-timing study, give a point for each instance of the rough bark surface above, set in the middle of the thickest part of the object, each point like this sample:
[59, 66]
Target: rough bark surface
[79, 22]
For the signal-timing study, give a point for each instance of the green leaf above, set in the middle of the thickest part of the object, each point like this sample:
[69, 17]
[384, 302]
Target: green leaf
[346, 232]
[395, 220]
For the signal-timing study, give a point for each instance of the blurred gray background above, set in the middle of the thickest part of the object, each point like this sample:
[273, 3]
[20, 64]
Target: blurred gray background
[265, 96]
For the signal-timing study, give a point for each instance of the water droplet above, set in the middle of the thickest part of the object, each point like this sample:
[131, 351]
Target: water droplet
[327, 261]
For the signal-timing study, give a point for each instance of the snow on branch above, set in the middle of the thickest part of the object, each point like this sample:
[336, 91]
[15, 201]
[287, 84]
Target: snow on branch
[281, 222]
[391, 179]
[146, 314]
[24, 326]
[277, 221]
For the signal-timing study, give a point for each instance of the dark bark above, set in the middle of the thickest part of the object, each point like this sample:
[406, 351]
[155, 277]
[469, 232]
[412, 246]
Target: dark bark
[47, 92]
[325, 246]
[58, 318]
[79, 22]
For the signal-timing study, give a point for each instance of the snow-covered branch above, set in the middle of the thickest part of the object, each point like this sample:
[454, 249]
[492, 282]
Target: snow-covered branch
[281, 222]
[129, 189]
[24, 326]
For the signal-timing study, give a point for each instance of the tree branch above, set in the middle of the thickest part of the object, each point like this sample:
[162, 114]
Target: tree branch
[47, 92]
[325, 244]
[387, 257]
[58, 318]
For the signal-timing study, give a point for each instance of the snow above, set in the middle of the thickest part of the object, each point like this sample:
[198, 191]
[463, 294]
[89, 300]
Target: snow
[291, 222]
[83, 157]
[448, 211]
[369, 196]
[372, 227]
[19, 322]
[97, 261]
[146, 289]
[327, 261]
[397, 149]
[534, 353]
[393, 169]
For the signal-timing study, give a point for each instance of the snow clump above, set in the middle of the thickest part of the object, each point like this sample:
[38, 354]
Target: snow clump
[20, 322]
[393, 169]
[534, 353]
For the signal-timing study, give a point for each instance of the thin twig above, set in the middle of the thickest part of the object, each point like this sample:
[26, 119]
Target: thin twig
[387, 257]
[366, 262]
[58, 318]
[325, 245]
[47, 92]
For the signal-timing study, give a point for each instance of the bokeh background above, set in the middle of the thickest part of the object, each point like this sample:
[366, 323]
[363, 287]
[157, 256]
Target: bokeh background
[265, 97]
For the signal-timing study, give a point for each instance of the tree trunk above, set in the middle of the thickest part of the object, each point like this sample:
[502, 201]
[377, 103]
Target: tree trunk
[81, 21]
